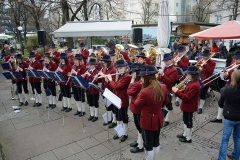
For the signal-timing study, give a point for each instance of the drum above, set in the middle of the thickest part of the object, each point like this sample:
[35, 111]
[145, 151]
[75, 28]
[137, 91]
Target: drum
[218, 83]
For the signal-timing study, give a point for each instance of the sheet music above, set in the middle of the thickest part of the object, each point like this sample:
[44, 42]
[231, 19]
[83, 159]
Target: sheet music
[112, 98]
[119, 130]
[107, 102]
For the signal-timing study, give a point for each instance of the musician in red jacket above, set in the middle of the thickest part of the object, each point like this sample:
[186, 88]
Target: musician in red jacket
[92, 94]
[108, 69]
[54, 54]
[84, 52]
[189, 103]
[22, 83]
[49, 84]
[141, 58]
[180, 60]
[65, 68]
[134, 88]
[35, 82]
[70, 56]
[167, 76]
[38, 55]
[93, 56]
[150, 100]
[78, 69]
[120, 89]
[208, 67]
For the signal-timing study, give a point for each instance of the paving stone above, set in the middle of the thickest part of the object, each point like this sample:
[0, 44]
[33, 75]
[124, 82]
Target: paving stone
[87, 143]
[46, 156]
[98, 151]
[205, 133]
[213, 127]
[23, 125]
[103, 136]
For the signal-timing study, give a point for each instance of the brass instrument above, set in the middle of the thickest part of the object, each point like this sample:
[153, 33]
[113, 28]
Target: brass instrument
[183, 84]
[153, 56]
[118, 49]
[145, 52]
[177, 58]
[132, 51]
[200, 66]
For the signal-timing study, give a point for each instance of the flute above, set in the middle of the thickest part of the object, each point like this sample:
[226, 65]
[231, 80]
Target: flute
[103, 76]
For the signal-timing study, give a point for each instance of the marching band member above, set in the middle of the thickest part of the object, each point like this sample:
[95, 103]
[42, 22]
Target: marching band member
[50, 65]
[65, 68]
[167, 76]
[65, 46]
[150, 101]
[54, 54]
[119, 50]
[141, 58]
[120, 89]
[79, 69]
[93, 56]
[38, 56]
[189, 103]
[134, 88]
[113, 57]
[108, 69]
[84, 52]
[207, 71]
[35, 82]
[182, 62]
[70, 56]
[227, 76]
[22, 83]
[92, 94]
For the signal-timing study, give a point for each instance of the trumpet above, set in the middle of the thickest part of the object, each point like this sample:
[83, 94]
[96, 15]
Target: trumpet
[183, 84]
[200, 65]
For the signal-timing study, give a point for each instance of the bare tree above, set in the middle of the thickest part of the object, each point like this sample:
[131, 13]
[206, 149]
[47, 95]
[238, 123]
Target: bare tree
[231, 5]
[149, 11]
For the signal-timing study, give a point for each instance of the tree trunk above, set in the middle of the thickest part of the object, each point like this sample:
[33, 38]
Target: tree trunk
[235, 13]
[65, 11]
[85, 12]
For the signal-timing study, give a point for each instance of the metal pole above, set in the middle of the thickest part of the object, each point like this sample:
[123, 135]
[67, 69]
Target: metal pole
[170, 41]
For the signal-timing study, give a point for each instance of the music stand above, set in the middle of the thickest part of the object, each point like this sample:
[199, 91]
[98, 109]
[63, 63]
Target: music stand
[79, 81]
[42, 74]
[6, 65]
[8, 75]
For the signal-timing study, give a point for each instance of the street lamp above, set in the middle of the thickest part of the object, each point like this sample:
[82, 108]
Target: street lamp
[20, 28]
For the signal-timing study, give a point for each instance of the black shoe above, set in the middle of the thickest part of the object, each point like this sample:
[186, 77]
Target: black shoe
[21, 104]
[94, 119]
[184, 140]
[35, 105]
[134, 144]
[199, 111]
[115, 136]
[180, 136]
[53, 106]
[39, 104]
[26, 103]
[81, 114]
[77, 113]
[216, 120]
[64, 108]
[112, 125]
[90, 118]
[123, 138]
[109, 122]
[136, 150]
[166, 123]
[177, 103]
[49, 106]
[68, 109]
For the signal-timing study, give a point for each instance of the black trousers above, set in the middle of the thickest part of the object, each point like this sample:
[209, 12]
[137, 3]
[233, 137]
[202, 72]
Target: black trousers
[78, 94]
[24, 85]
[121, 114]
[203, 92]
[136, 118]
[188, 119]
[65, 90]
[37, 87]
[150, 139]
[93, 99]
[51, 86]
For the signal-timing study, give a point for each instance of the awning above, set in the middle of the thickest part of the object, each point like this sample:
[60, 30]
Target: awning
[94, 28]
[228, 30]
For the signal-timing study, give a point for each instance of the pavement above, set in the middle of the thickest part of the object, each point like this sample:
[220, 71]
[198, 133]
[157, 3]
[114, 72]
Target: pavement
[42, 134]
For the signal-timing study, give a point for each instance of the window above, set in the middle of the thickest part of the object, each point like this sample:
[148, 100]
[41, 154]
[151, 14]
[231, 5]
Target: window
[156, 5]
[176, 4]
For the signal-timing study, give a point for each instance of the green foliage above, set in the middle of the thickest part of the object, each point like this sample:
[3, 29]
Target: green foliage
[32, 41]
[97, 40]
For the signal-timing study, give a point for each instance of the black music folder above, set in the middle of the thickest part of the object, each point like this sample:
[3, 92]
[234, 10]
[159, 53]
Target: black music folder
[17, 75]
[79, 81]
[99, 89]
[6, 65]
[8, 75]
[42, 74]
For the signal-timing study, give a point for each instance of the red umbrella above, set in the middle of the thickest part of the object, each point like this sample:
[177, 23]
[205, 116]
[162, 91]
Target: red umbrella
[228, 30]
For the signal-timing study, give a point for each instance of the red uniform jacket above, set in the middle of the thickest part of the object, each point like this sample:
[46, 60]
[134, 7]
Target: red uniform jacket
[207, 71]
[22, 65]
[183, 62]
[229, 76]
[35, 65]
[38, 57]
[7, 58]
[66, 69]
[70, 60]
[104, 83]
[85, 54]
[52, 66]
[151, 113]
[90, 78]
[120, 88]
[125, 56]
[147, 60]
[133, 90]
[169, 77]
[81, 69]
[55, 58]
[189, 97]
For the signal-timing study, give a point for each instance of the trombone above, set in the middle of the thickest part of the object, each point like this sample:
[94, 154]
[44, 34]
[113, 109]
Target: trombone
[177, 58]
[200, 66]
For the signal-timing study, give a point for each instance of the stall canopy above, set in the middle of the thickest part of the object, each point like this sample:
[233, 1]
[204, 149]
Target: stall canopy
[228, 30]
[94, 28]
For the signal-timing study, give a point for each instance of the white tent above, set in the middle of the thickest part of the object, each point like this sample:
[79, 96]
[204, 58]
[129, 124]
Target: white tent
[94, 28]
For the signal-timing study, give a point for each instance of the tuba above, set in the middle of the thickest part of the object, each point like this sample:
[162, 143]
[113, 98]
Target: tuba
[153, 56]
[132, 51]
[118, 49]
